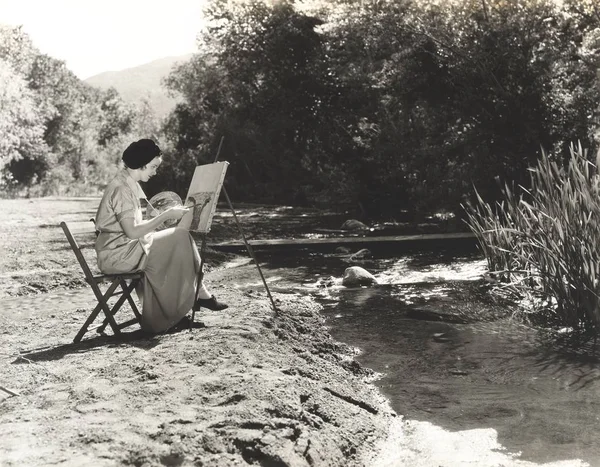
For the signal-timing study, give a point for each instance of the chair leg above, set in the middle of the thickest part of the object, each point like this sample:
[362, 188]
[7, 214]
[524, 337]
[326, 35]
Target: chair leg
[102, 305]
[126, 295]
[126, 324]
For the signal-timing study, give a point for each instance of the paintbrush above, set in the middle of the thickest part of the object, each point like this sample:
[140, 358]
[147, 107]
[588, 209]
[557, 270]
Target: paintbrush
[201, 203]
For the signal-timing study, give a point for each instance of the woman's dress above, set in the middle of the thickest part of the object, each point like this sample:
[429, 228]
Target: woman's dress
[169, 258]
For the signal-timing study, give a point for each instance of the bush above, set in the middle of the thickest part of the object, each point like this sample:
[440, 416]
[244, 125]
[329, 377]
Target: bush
[543, 242]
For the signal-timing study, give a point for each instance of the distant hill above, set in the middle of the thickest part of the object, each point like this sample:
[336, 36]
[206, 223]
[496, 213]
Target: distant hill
[142, 81]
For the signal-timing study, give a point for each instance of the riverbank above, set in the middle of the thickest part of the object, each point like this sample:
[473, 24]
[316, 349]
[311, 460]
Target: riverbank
[250, 387]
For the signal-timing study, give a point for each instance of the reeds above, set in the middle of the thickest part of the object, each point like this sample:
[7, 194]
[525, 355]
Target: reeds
[545, 241]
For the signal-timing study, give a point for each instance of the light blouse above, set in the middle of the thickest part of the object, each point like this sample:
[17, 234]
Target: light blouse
[117, 252]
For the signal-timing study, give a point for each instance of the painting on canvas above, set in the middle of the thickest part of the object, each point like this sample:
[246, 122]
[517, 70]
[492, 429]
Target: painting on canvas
[203, 195]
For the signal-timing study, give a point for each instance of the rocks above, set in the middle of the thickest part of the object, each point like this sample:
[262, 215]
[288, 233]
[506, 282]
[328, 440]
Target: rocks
[360, 255]
[355, 276]
[353, 224]
[325, 282]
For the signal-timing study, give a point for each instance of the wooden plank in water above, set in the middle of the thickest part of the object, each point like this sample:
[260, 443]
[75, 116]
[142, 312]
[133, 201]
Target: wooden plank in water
[329, 243]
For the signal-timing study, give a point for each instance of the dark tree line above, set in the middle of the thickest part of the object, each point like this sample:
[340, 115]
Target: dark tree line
[385, 105]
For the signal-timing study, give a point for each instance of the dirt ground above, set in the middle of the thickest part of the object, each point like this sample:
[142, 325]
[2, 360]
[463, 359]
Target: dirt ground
[249, 387]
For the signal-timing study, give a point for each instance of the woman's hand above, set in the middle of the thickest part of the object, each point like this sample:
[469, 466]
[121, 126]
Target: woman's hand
[138, 229]
[175, 213]
[151, 212]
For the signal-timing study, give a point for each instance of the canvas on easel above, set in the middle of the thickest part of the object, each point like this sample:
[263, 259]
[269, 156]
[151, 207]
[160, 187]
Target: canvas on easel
[203, 195]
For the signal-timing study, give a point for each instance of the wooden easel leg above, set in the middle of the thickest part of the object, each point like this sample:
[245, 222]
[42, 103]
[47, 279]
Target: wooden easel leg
[250, 252]
[248, 248]
[200, 276]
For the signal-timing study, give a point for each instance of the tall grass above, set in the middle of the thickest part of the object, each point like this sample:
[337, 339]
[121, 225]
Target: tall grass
[545, 241]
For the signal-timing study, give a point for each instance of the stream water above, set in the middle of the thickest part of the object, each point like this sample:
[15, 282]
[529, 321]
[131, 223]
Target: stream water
[452, 356]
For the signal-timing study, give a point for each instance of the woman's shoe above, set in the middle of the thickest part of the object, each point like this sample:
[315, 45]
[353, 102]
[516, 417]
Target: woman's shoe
[211, 303]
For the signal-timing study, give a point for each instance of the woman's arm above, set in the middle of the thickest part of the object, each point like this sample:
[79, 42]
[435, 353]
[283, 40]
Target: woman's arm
[137, 230]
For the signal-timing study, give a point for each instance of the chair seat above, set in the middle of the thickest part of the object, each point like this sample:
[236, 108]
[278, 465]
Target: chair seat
[101, 278]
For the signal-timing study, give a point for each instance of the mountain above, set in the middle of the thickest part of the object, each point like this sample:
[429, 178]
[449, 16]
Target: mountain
[142, 81]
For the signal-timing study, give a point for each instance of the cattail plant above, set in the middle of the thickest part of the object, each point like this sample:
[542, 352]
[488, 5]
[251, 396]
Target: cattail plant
[545, 240]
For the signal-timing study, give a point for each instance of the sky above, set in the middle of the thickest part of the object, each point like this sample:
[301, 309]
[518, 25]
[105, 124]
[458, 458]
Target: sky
[93, 36]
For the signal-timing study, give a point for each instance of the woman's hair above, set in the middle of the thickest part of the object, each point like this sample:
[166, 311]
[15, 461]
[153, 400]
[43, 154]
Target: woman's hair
[140, 153]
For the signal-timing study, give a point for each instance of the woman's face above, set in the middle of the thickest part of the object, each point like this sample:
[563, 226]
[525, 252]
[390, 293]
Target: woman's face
[149, 170]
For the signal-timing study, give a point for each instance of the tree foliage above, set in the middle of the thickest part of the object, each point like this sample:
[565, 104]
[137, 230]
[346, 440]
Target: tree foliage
[387, 105]
[263, 83]
[57, 134]
[21, 128]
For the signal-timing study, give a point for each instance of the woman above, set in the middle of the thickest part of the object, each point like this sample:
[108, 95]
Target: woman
[126, 243]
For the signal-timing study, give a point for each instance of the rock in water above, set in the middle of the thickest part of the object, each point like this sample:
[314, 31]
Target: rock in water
[353, 224]
[361, 254]
[355, 276]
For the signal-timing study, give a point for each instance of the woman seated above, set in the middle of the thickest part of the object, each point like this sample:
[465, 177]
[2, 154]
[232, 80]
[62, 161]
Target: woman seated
[169, 258]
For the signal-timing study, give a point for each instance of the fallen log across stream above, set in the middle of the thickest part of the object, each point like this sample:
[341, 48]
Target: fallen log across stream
[461, 240]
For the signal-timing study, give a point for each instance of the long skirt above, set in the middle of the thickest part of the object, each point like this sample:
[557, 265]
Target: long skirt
[168, 289]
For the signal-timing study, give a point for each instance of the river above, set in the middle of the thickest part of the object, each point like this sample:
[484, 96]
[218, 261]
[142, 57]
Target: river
[448, 354]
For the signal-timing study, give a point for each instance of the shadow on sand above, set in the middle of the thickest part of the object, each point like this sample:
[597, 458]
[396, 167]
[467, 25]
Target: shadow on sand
[137, 338]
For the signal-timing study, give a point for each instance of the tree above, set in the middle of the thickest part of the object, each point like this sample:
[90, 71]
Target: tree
[59, 133]
[23, 151]
[469, 91]
[389, 105]
[17, 49]
[261, 81]
[118, 117]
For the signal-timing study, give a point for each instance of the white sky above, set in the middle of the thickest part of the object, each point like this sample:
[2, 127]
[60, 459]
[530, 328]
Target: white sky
[107, 35]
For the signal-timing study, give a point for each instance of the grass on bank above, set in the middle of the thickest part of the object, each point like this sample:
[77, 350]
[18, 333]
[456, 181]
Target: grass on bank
[543, 243]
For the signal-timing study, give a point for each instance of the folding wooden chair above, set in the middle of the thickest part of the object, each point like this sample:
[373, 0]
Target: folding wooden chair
[115, 280]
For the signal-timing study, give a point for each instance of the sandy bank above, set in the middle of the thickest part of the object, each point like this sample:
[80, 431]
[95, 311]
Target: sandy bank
[250, 387]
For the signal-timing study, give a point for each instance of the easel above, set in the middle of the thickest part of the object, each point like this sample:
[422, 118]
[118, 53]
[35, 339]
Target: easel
[200, 276]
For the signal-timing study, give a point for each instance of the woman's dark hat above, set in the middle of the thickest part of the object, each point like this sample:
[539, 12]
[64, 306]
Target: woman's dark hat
[140, 153]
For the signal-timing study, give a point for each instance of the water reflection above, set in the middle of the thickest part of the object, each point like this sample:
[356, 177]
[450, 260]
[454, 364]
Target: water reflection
[478, 375]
